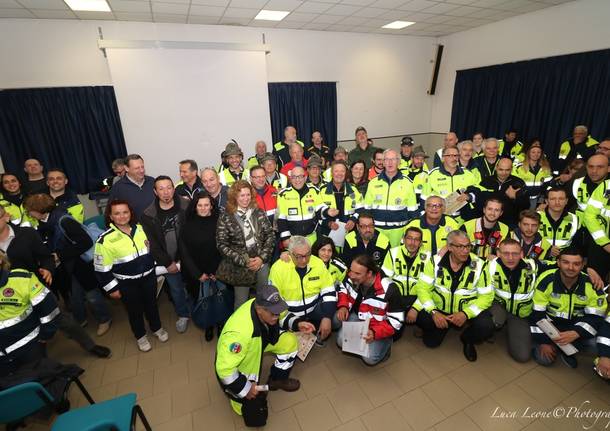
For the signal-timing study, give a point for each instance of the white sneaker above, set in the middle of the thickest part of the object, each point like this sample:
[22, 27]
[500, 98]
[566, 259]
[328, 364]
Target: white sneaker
[162, 335]
[144, 344]
[181, 324]
[102, 328]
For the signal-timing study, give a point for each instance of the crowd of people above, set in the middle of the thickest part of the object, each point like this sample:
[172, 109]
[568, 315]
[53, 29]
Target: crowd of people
[490, 235]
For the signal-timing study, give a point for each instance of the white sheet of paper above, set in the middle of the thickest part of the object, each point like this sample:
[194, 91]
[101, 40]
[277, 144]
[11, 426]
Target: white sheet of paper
[338, 236]
[552, 332]
[353, 341]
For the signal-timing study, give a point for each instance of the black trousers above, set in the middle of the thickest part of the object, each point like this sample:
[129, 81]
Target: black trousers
[140, 299]
[477, 330]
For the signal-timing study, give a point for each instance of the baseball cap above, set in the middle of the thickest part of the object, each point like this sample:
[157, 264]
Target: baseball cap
[269, 298]
[314, 161]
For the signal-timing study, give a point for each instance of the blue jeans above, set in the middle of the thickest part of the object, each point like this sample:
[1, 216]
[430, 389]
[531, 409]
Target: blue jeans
[378, 349]
[178, 292]
[96, 301]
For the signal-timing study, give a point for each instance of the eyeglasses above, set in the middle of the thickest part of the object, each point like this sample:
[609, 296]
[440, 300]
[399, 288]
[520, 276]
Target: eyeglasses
[462, 246]
[297, 177]
[366, 226]
[301, 256]
[451, 155]
[257, 177]
[434, 206]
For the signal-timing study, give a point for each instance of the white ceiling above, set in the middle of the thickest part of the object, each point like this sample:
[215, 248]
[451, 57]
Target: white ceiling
[432, 17]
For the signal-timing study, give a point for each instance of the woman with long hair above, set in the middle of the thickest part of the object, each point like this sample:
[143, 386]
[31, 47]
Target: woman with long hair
[358, 176]
[198, 251]
[534, 171]
[325, 249]
[245, 240]
[11, 198]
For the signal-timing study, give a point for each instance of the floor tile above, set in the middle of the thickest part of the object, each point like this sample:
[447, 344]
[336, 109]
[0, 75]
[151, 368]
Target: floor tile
[484, 414]
[142, 384]
[472, 382]
[189, 397]
[407, 375]
[418, 410]
[167, 378]
[183, 423]
[447, 396]
[380, 387]
[385, 417]
[316, 414]
[458, 422]
[349, 401]
[120, 369]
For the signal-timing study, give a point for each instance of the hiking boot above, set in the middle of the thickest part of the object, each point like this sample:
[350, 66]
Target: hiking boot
[288, 385]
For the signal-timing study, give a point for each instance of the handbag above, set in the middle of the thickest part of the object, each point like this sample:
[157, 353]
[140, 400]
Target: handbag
[214, 304]
[255, 412]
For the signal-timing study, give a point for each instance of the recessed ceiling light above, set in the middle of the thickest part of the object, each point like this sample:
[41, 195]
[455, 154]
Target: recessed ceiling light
[397, 25]
[271, 15]
[89, 5]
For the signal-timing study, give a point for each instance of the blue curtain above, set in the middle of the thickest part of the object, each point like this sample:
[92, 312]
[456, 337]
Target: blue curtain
[77, 129]
[308, 106]
[542, 98]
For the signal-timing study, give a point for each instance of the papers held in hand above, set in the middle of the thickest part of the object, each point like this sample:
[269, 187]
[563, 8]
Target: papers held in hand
[552, 332]
[452, 205]
[353, 334]
[306, 342]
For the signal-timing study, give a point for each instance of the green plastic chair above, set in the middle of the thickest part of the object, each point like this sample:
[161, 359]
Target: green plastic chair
[117, 414]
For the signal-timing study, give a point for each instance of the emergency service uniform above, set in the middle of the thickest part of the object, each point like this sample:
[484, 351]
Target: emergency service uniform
[299, 211]
[124, 262]
[513, 303]
[485, 242]
[28, 312]
[580, 308]
[393, 203]
[441, 290]
[240, 349]
[434, 237]
[310, 297]
[381, 304]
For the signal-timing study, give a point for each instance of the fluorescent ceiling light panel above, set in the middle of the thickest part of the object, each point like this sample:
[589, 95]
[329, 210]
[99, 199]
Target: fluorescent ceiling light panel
[88, 5]
[271, 15]
[397, 25]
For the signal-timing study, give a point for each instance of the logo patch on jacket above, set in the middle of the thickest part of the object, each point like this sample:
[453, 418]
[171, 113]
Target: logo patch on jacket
[8, 292]
[235, 348]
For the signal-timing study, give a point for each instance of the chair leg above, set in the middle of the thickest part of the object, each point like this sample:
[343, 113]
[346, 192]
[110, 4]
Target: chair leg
[83, 390]
[137, 410]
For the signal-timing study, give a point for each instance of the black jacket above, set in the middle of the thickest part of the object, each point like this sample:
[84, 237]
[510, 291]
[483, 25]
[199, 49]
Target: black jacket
[154, 231]
[27, 251]
[492, 187]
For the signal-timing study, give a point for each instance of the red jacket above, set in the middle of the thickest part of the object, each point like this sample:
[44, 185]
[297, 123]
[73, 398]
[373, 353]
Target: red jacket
[267, 201]
[288, 166]
[381, 304]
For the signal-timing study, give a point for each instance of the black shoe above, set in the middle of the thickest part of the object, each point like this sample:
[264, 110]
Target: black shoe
[570, 361]
[288, 385]
[101, 351]
[470, 352]
[209, 333]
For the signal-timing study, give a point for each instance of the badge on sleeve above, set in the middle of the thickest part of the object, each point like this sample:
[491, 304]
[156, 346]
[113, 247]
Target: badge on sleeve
[235, 348]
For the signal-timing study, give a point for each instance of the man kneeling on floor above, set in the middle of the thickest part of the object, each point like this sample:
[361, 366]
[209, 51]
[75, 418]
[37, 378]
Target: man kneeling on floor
[251, 331]
[367, 294]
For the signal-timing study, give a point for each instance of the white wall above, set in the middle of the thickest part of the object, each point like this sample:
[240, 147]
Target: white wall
[381, 79]
[568, 28]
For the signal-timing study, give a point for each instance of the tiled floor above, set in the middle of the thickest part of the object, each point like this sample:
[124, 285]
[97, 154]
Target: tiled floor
[416, 389]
